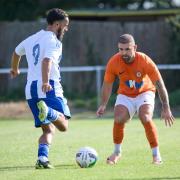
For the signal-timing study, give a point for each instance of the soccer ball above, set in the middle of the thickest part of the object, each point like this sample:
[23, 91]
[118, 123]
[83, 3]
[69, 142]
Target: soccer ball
[86, 157]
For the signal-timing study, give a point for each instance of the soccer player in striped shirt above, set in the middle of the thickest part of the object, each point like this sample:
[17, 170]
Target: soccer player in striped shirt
[44, 93]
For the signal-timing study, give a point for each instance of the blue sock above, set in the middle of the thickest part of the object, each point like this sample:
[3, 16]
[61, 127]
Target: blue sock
[43, 150]
[52, 114]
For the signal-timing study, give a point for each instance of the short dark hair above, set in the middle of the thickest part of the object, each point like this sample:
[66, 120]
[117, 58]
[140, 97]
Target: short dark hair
[55, 14]
[126, 38]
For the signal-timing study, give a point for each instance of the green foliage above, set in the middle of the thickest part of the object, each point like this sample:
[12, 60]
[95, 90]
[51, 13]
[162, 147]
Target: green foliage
[92, 104]
[161, 3]
[112, 100]
[174, 50]
[14, 95]
[88, 103]
[106, 4]
[175, 38]
[27, 10]
[174, 98]
[19, 10]
[79, 103]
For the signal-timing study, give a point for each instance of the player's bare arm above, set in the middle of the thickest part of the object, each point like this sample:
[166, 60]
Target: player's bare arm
[46, 66]
[105, 94]
[163, 95]
[15, 65]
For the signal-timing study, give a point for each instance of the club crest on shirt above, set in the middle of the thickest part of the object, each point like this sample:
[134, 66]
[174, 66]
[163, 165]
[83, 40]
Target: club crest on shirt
[138, 74]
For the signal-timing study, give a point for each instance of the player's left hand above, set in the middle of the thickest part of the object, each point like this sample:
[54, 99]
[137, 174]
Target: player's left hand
[167, 116]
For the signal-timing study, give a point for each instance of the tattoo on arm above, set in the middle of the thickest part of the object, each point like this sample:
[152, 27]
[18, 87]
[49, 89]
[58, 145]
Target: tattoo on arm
[163, 95]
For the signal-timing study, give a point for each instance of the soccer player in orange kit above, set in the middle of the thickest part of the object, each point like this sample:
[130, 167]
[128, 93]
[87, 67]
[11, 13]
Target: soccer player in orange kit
[139, 78]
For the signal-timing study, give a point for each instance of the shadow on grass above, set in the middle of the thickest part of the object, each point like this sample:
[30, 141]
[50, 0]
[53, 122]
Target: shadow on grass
[155, 178]
[15, 168]
[66, 166]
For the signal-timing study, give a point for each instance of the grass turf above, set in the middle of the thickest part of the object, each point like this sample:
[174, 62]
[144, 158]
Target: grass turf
[19, 140]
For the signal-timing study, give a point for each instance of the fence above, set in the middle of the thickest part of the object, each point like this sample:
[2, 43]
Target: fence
[98, 70]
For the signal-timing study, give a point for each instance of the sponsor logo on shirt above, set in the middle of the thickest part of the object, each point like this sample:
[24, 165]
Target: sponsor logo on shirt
[134, 84]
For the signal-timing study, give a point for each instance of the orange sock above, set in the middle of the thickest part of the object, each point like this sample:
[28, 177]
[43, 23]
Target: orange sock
[151, 133]
[118, 132]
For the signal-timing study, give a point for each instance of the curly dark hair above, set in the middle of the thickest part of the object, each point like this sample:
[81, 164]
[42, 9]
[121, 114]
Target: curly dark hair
[55, 14]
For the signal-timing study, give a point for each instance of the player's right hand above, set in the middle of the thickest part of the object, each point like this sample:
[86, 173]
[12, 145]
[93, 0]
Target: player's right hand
[46, 87]
[14, 73]
[100, 110]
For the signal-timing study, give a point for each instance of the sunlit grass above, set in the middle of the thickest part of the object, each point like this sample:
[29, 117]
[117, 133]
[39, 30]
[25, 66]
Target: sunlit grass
[18, 151]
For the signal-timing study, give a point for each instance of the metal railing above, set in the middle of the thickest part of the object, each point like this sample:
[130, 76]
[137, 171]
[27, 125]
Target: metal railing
[97, 69]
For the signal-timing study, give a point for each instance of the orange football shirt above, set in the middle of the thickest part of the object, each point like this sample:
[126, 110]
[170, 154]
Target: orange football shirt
[134, 78]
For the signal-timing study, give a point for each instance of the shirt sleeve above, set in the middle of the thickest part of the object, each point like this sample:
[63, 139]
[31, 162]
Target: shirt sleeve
[152, 70]
[52, 49]
[110, 75]
[20, 49]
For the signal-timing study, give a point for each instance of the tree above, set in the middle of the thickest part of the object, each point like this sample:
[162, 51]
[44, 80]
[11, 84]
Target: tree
[19, 10]
[175, 38]
[27, 10]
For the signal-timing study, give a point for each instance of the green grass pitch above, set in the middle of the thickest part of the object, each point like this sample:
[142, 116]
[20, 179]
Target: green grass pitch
[19, 140]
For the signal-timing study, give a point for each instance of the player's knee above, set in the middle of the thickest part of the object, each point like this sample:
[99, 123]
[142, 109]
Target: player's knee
[64, 123]
[49, 132]
[118, 119]
[145, 117]
[64, 128]
[52, 132]
[48, 129]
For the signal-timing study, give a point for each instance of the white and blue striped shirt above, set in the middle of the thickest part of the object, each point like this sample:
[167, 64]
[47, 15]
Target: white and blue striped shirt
[43, 44]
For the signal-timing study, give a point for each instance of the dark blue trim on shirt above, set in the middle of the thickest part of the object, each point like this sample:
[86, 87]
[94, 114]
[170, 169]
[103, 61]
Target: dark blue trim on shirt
[33, 89]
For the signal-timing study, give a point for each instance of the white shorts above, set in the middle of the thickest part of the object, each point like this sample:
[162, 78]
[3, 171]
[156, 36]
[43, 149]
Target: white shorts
[133, 104]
